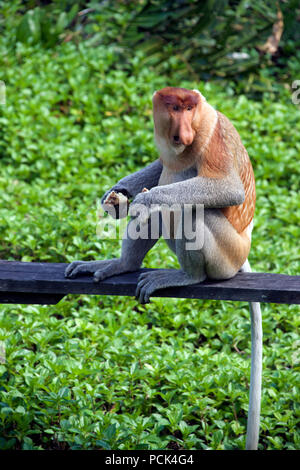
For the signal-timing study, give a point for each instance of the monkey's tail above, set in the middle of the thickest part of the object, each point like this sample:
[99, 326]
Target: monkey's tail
[256, 371]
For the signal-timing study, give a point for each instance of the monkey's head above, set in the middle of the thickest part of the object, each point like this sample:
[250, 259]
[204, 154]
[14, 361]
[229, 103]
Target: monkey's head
[174, 111]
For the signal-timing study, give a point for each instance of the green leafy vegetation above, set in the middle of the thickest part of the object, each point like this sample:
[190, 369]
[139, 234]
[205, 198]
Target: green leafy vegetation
[105, 372]
[254, 45]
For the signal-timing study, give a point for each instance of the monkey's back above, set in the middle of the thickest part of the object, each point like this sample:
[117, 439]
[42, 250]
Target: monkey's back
[242, 215]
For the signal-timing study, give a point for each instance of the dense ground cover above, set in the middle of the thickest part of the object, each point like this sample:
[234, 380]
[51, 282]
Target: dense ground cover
[106, 372]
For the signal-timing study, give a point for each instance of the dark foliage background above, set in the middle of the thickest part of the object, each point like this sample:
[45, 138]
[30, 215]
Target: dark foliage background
[254, 44]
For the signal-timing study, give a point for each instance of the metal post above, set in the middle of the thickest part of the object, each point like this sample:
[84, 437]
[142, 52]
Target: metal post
[256, 372]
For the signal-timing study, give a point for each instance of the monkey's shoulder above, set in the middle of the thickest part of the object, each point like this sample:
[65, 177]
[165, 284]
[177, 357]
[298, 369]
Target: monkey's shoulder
[232, 138]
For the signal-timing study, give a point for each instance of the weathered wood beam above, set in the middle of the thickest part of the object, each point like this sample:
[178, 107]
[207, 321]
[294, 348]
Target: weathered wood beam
[44, 283]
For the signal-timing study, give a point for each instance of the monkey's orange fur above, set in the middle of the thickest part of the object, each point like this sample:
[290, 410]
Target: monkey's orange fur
[215, 149]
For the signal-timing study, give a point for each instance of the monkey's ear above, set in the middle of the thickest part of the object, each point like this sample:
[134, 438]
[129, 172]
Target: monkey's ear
[199, 93]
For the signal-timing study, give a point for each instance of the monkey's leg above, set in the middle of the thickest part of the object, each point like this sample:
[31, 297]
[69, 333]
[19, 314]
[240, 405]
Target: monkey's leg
[192, 272]
[132, 255]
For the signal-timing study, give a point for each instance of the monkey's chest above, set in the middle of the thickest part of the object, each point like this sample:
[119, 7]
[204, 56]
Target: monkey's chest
[169, 176]
[171, 219]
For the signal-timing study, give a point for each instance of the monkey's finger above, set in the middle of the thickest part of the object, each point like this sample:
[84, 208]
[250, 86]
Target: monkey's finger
[139, 286]
[146, 289]
[80, 269]
[152, 281]
[143, 279]
[71, 267]
[145, 292]
[102, 274]
[150, 277]
[114, 267]
[145, 275]
[141, 295]
[83, 267]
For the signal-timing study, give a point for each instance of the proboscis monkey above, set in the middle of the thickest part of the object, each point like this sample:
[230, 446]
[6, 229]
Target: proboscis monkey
[202, 161]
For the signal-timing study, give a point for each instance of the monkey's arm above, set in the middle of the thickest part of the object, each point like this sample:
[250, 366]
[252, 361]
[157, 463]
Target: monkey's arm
[211, 192]
[133, 184]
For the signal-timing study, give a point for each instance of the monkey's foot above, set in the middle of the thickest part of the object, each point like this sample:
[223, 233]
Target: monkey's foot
[100, 269]
[159, 279]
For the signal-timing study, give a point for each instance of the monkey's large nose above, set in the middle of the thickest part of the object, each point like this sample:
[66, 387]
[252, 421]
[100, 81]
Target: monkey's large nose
[184, 138]
[181, 131]
[187, 139]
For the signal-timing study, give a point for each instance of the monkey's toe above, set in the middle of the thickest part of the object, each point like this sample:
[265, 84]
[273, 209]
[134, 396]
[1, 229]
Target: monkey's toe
[87, 267]
[148, 283]
[71, 269]
[151, 281]
[104, 273]
[109, 268]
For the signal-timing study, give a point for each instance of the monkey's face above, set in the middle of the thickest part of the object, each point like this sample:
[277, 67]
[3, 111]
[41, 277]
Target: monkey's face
[174, 111]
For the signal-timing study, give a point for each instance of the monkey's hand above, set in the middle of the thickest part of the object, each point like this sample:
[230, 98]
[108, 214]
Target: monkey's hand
[115, 203]
[100, 269]
[142, 207]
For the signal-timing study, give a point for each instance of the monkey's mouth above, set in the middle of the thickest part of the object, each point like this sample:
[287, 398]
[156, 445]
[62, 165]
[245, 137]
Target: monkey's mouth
[178, 147]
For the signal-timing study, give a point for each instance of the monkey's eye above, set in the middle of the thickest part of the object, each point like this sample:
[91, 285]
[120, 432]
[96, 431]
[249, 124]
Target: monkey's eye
[189, 108]
[175, 107]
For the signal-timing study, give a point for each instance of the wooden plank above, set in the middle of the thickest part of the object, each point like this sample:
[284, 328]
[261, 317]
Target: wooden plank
[48, 278]
[29, 298]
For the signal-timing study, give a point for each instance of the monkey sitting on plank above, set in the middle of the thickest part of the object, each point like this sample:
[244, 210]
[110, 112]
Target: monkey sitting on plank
[202, 162]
